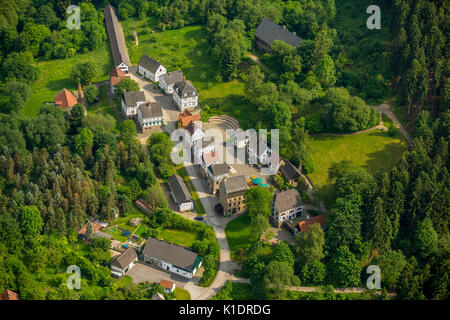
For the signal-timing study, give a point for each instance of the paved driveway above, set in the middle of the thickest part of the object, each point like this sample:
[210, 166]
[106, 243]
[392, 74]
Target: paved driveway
[144, 272]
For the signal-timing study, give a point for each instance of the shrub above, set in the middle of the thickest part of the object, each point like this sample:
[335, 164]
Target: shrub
[309, 165]
[313, 123]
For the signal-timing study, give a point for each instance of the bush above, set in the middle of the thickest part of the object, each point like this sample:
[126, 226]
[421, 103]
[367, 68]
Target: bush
[165, 170]
[375, 88]
[91, 92]
[313, 272]
[392, 131]
[309, 165]
[313, 123]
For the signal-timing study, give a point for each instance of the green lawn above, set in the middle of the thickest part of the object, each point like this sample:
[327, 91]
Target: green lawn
[238, 233]
[182, 294]
[372, 150]
[141, 231]
[187, 49]
[184, 238]
[118, 234]
[55, 76]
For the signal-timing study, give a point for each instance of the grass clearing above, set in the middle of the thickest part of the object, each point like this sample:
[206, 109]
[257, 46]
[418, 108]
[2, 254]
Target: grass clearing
[187, 49]
[55, 75]
[372, 150]
[179, 237]
[181, 294]
[239, 234]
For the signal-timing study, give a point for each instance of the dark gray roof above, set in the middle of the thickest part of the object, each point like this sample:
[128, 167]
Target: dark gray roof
[118, 49]
[234, 184]
[287, 200]
[173, 77]
[132, 97]
[219, 169]
[269, 31]
[125, 258]
[149, 63]
[179, 189]
[151, 110]
[176, 255]
[185, 89]
[192, 127]
[289, 171]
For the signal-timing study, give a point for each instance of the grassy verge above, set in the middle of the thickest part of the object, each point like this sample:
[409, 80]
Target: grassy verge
[239, 235]
[55, 75]
[372, 150]
[197, 203]
[179, 237]
[181, 294]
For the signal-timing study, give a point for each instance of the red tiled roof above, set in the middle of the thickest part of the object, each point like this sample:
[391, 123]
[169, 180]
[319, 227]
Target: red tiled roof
[116, 75]
[166, 284]
[186, 117]
[95, 226]
[65, 99]
[9, 295]
[322, 220]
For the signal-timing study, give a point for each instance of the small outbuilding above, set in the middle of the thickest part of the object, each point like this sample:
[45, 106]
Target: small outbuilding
[168, 286]
[123, 263]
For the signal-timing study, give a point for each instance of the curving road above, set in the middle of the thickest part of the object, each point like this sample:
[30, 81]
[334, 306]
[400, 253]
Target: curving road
[218, 223]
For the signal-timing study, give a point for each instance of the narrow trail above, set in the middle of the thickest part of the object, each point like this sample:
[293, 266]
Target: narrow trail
[386, 108]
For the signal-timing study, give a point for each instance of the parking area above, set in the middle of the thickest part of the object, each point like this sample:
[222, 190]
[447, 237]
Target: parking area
[143, 271]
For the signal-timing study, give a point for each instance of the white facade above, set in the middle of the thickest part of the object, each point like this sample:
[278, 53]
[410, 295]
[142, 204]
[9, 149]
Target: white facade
[170, 267]
[119, 272]
[185, 102]
[280, 217]
[186, 206]
[150, 75]
[240, 143]
[197, 135]
[149, 122]
[123, 67]
[163, 85]
[131, 111]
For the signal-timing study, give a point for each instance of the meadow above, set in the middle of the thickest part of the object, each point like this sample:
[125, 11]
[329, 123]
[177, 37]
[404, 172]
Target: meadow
[179, 237]
[187, 49]
[55, 75]
[372, 150]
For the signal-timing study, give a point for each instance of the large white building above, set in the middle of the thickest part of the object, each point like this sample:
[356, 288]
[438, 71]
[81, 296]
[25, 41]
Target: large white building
[168, 80]
[150, 68]
[172, 258]
[150, 115]
[286, 206]
[131, 100]
[185, 95]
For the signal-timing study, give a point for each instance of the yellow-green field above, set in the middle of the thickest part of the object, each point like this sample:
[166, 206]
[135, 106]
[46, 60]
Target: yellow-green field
[55, 75]
[372, 150]
[180, 237]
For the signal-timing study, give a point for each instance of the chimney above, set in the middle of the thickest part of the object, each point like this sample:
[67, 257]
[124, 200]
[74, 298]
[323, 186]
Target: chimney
[295, 33]
[80, 93]
[284, 27]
